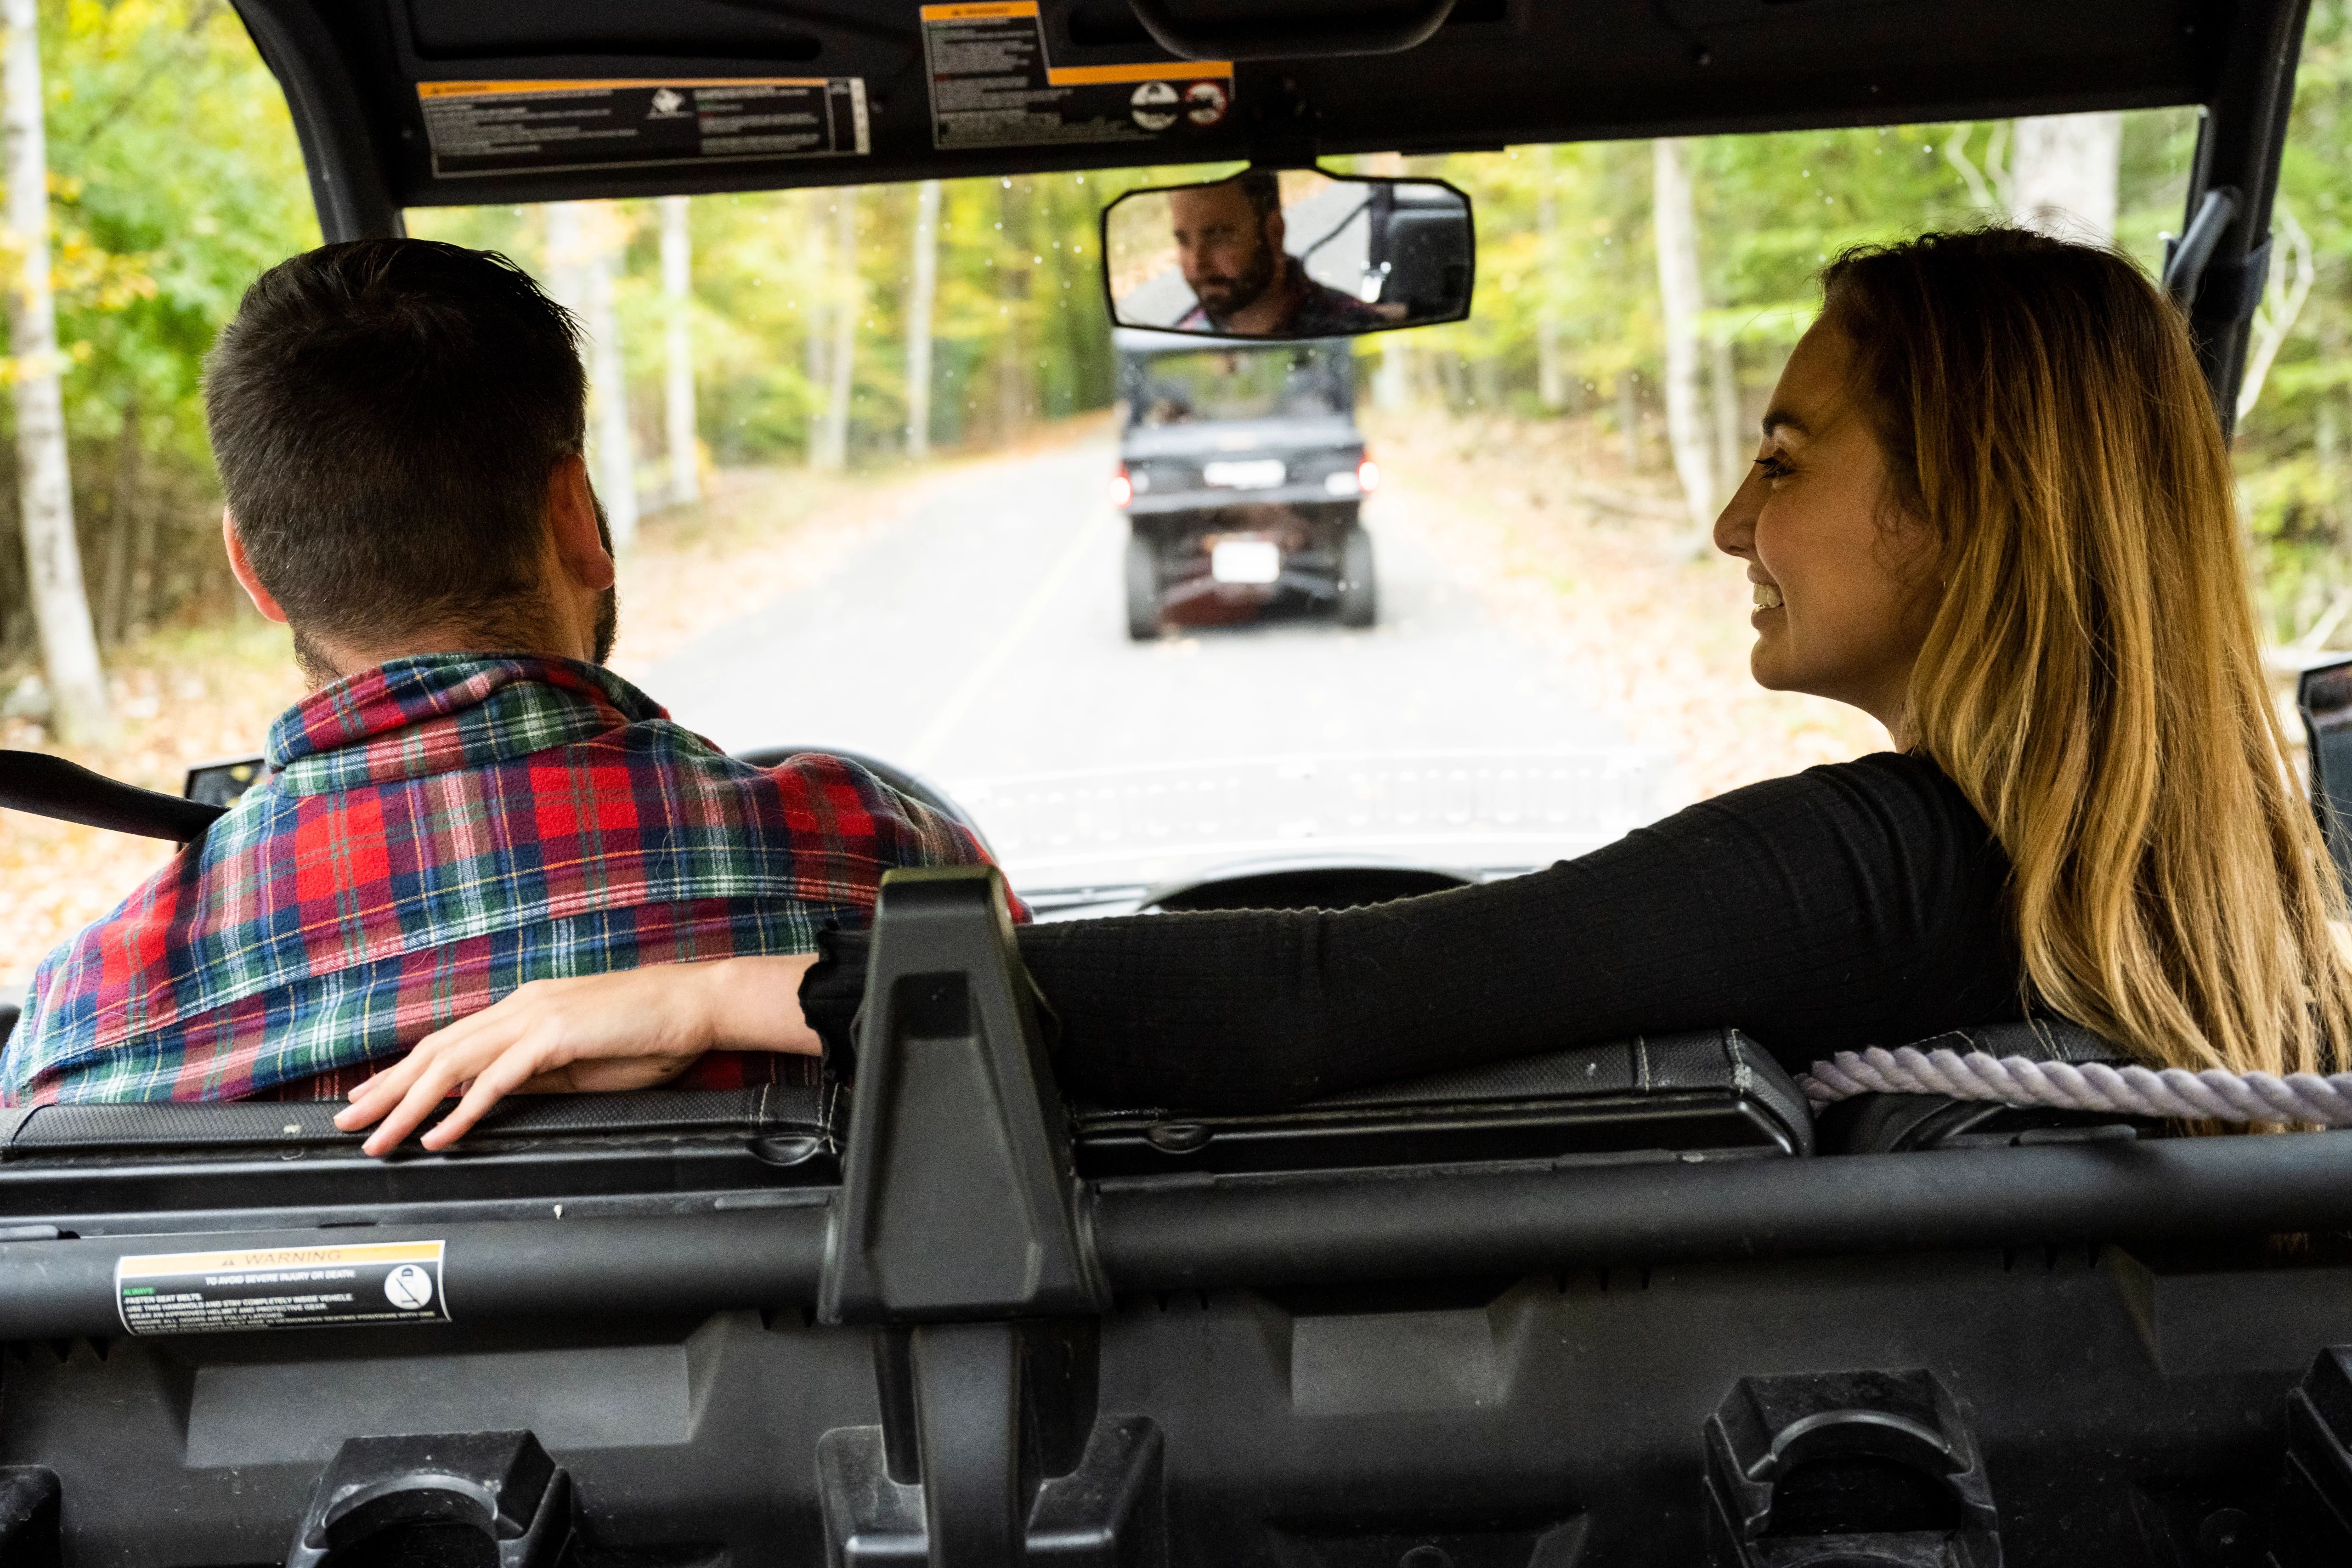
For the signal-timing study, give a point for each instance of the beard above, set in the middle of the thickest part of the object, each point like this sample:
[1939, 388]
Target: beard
[1224, 293]
[316, 668]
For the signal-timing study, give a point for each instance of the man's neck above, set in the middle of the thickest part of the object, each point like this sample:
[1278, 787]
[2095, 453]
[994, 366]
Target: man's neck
[326, 660]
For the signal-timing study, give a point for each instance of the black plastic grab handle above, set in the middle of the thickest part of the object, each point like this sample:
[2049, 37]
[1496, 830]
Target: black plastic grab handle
[2187, 257]
[51, 787]
[1281, 38]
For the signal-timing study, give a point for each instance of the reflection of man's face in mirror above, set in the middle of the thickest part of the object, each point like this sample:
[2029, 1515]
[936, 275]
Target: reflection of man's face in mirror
[1229, 243]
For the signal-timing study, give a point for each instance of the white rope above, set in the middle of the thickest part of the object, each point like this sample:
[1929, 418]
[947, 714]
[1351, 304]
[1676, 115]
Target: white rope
[2212, 1095]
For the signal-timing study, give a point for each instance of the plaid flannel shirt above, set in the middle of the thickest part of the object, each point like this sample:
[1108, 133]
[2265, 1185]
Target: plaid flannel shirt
[434, 833]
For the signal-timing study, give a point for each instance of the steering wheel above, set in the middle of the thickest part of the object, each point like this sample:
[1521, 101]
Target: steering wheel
[913, 785]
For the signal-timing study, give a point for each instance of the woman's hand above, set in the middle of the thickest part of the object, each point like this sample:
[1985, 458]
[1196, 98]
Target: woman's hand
[633, 1028]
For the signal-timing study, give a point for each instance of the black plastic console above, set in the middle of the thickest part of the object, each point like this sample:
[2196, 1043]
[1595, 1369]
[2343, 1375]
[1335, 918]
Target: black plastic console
[1361, 1336]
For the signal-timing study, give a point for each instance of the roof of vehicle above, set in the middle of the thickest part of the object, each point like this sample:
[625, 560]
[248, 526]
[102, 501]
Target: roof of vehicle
[404, 103]
[1599, 69]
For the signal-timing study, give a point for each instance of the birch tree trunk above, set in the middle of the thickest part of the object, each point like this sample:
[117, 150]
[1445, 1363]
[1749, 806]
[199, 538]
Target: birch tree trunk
[817, 323]
[677, 386]
[920, 299]
[1731, 450]
[617, 446]
[43, 484]
[1551, 376]
[2063, 174]
[582, 255]
[1676, 229]
[832, 445]
[1012, 294]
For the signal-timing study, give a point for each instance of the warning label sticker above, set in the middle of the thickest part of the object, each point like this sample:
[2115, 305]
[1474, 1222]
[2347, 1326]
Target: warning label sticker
[281, 1287]
[540, 127]
[993, 85]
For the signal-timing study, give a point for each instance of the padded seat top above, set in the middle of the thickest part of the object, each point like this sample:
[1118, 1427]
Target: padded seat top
[1704, 1093]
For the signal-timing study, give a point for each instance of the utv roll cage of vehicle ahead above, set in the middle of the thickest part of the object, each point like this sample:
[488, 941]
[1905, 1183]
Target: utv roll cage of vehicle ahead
[1621, 1304]
[1241, 473]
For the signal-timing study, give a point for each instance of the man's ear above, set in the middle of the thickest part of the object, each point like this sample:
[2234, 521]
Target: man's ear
[243, 567]
[573, 528]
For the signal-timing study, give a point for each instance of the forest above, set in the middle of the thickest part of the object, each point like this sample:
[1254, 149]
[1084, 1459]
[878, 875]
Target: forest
[1651, 290]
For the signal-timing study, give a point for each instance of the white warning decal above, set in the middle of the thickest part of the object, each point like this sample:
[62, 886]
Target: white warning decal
[541, 126]
[992, 85]
[281, 1287]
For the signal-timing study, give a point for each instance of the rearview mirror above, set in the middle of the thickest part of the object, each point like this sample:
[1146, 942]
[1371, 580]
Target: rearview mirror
[1288, 254]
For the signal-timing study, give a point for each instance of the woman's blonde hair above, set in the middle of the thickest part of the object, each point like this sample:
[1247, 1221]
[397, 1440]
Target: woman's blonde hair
[2092, 678]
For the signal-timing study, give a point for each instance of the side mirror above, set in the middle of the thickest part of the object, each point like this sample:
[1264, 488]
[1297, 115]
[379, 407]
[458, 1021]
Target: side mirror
[1289, 255]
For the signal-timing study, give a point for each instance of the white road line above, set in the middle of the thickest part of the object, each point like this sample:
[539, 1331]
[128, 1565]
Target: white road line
[954, 711]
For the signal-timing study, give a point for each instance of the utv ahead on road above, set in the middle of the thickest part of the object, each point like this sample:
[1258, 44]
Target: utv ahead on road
[1628, 1304]
[1241, 473]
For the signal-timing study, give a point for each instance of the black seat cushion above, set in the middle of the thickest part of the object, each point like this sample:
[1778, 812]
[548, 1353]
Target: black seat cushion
[1897, 1123]
[1709, 1093]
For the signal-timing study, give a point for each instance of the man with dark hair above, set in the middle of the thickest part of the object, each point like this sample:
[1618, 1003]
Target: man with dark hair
[1229, 240]
[470, 801]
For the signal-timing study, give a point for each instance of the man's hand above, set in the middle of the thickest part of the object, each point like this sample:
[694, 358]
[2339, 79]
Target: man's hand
[629, 1029]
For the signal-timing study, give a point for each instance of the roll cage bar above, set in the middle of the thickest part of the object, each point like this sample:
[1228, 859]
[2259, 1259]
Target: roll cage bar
[1305, 87]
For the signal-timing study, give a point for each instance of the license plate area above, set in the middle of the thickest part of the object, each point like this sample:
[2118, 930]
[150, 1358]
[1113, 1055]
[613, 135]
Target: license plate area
[1257, 561]
[1246, 474]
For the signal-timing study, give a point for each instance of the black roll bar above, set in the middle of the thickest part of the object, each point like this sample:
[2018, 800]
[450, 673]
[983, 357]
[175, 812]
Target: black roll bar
[2238, 151]
[1171, 1232]
[493, 1269]
[348, 182]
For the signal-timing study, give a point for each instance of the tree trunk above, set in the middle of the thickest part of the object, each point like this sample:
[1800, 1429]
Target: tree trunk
[677, 386]
[2062, 174]
[833, 444]
[920, 298]
[616, 443]
[1392, 383]
[583, 256]
[1552, 371]
[818, 327]
[147, 570]
[1012, 292]
[114, 597]
[43, 484]
[1731, 452]
[1629, 423]
[1676, 229]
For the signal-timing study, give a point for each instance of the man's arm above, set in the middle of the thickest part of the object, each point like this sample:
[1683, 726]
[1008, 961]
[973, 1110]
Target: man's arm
[633, 1028]
[642, 1028]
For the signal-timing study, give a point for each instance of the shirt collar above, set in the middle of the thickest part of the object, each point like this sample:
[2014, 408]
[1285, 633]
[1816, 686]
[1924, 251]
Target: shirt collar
[440, 712]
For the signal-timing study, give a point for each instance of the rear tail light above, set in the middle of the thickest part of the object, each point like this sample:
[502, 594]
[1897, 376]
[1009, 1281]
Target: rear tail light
[1122, 489]
[1368, 475]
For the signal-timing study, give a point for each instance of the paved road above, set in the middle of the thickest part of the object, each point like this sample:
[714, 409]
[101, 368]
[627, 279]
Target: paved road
[981, 642]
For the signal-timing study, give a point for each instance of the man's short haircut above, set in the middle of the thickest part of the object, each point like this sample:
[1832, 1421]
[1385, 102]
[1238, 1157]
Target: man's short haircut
[384, 414]
[1264, 189]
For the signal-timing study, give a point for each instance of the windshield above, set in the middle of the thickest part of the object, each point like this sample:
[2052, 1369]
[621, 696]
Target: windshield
[886, 479]
[1289, 382]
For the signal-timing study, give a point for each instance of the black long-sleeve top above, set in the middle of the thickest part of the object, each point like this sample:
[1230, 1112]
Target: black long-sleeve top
[1854, 904]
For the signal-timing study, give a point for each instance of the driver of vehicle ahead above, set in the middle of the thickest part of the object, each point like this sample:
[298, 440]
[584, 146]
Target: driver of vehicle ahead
[470, 801]
[1229, 243]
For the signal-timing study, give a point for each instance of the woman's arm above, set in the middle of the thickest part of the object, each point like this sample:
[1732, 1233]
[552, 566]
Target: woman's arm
[1848, 905]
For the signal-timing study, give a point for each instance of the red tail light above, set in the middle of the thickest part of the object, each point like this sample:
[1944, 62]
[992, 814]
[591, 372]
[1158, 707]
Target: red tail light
[1122, 489]
[1368, 475]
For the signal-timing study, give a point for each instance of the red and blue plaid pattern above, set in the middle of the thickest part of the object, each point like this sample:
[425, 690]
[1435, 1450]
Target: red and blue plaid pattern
[434, 833]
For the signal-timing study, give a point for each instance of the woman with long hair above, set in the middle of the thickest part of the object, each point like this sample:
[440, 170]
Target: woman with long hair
[1992, 507]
